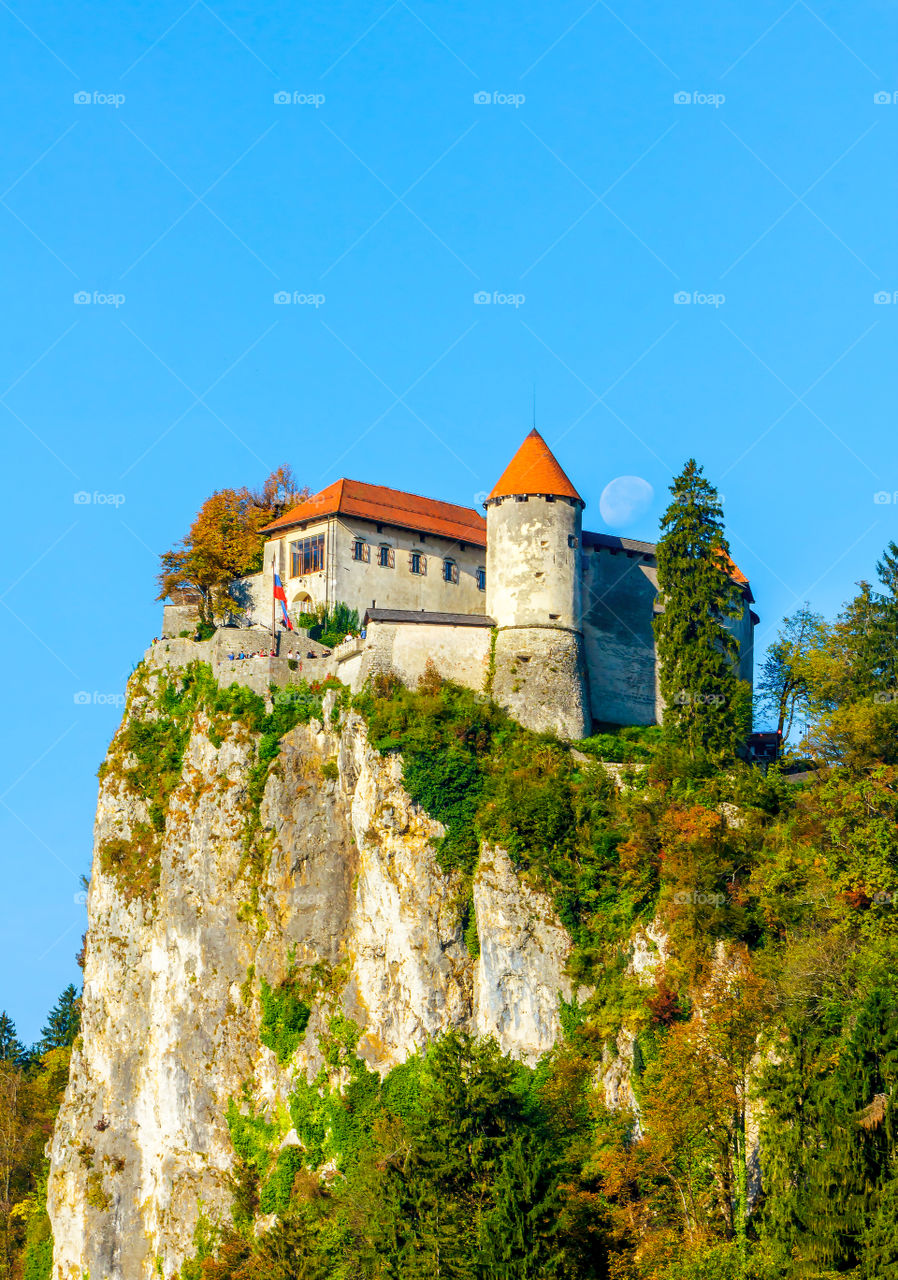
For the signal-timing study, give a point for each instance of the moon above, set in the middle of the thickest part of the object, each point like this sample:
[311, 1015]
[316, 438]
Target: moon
[624, 500]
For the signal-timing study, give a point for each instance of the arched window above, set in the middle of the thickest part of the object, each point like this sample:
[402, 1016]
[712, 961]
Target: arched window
[450, 571]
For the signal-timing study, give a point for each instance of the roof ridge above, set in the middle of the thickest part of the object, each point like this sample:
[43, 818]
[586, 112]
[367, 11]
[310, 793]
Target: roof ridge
[370, 484]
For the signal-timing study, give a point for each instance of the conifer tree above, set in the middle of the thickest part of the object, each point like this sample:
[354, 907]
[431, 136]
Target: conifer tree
[63, 1022]
[843, 1181]
[11, 1048]
[696, 651]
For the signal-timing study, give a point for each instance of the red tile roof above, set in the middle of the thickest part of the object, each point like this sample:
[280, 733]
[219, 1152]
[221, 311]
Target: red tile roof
[534, 470]
[387, 506]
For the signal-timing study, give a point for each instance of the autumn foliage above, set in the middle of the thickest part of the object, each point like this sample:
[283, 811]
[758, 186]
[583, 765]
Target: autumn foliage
[225, 542]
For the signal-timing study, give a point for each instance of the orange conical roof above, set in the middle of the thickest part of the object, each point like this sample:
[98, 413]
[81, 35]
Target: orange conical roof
[534, 469]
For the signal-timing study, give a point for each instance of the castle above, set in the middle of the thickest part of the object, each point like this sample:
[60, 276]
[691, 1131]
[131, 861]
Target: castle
[554, 620]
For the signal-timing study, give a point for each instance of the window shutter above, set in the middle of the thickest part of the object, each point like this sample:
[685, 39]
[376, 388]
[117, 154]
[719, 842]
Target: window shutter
[455, 573]
[366, 552]
[423, 563]
[391, 558]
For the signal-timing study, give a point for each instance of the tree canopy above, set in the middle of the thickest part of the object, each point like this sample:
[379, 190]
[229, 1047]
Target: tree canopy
[225, 542]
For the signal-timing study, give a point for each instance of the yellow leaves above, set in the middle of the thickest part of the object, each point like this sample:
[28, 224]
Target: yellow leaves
[25, 1210]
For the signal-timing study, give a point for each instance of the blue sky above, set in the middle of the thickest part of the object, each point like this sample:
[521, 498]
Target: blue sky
[149, 166]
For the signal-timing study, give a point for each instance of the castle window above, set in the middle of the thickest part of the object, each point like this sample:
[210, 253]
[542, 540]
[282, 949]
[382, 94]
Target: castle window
[572, 540]
[450, 571]
[307, 555]
[361, 550]
[385, 556]
[417, 562]
[481, 579]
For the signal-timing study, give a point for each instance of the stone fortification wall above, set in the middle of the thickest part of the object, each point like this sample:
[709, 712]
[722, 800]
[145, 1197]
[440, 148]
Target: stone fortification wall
[619, 593]
[539, 678]
[297, 657]
[459, 653]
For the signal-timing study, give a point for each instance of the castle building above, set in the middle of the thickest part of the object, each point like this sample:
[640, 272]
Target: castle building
[556, 621]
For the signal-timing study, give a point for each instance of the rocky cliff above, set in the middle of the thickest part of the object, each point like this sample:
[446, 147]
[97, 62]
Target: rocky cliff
[238, 912]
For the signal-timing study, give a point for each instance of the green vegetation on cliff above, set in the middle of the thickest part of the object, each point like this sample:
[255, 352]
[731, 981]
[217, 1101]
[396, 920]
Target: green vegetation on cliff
[147, 754]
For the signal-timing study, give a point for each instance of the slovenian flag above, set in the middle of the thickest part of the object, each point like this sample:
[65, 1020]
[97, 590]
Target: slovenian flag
[280, 594]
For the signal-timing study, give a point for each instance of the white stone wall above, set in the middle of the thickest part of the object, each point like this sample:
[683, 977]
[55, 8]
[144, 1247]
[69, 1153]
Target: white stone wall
[459, 653]
[361, 584]
[358, 583]
[534, 571]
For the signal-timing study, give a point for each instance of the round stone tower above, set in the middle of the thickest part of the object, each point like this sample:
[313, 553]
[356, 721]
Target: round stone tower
[533, 592]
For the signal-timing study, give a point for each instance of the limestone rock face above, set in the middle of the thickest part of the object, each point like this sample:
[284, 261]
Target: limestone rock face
[171, 1013]
[520, 970]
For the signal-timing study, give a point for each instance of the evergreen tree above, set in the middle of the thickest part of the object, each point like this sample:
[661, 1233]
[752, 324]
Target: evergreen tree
[833, 1187]
[63, 1022]
[11, 1048]
[696, 651]
[887, 623]
[517, 1238]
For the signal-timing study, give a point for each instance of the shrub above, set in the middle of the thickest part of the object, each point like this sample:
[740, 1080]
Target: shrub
[275, 1196]
[285, 1016]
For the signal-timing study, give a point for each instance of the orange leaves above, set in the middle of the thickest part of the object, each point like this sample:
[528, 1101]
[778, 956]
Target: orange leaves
[225, 541]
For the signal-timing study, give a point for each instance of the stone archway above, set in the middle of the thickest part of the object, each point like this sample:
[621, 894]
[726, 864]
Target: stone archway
[302, 603]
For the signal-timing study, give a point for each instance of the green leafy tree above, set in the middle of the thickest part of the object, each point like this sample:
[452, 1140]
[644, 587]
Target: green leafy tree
[697, 652]
[785, 680]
